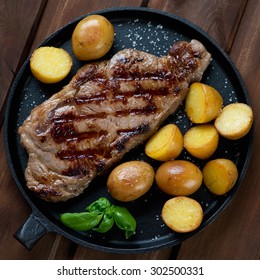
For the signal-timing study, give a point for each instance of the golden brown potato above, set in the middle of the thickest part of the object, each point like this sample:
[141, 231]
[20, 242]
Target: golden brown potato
[220, 175]
[130, 180]
[182, 214]
[50, 65]
[178, 177]
[203, 103]
[92, 38]
[165, 144]
[234, 121]
[201, 141]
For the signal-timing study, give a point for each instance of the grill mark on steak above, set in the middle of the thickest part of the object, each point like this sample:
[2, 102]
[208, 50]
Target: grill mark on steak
[134, 131]
[70, 117]
[128, 134]
[107, 109]
[85, 75]
[74, 154]
[140, 92]
[106, 86]
[123, 96]
[88, 99]
[46, 193]
[63, 129]
[77, 171]
[149, 109]
[67, 133]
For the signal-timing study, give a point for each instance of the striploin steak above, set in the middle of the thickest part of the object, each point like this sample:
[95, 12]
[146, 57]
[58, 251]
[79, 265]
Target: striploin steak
[107, 109]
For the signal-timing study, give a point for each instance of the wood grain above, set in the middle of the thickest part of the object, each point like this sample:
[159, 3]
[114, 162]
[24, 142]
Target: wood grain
[14, 211]
[220, 19]
[58, 13]
[15, 36]
[89, 254]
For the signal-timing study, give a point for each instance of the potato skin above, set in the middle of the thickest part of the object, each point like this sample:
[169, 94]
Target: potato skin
[203, 103]
[220, 175]
[182, 214]
[178, 177]
[165, 144]
[130, 180]
[92, 37]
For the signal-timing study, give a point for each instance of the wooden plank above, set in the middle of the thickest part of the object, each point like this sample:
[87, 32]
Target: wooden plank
[62, 249]
[219, 19]
[59, 13]
[15, 34]
[235, 234]
[13, 213]
[18, 21]
[89, 254]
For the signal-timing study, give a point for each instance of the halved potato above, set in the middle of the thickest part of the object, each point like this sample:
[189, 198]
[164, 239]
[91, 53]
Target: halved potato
[203, 103]
[182, 214]
[234, 121]
[178, 177]
[50, 65]
[201, 141]
[220, 175]
[165, 144]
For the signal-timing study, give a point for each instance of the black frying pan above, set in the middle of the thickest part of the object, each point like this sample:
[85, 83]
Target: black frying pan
[151, 31]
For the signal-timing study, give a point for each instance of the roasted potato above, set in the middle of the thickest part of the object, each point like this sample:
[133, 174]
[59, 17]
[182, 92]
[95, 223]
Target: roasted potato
[92, 37]
[50, 65]
[182, 214]
[201, 141]
[234, 121]
[130, 180]
[220, 175]
[178, 177]
[165, 144]
[203, 103]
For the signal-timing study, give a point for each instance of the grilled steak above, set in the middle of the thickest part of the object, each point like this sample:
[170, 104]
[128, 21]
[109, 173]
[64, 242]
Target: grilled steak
[107, 109]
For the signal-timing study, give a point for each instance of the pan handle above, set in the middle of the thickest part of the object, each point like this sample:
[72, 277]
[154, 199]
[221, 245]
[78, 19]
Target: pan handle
[31, 231]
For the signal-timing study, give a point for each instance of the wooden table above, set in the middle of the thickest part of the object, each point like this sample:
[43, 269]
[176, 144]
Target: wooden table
[234, 25]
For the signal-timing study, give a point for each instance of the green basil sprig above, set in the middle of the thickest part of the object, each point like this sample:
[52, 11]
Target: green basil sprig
[100, 216]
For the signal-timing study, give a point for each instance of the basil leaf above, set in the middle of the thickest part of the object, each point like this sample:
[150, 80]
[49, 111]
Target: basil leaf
[99, 205]
[124, 220]
[100, 216]
[106, 224]
[81, 221]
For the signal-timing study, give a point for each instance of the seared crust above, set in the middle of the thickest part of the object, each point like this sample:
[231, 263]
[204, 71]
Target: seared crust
[107, 109]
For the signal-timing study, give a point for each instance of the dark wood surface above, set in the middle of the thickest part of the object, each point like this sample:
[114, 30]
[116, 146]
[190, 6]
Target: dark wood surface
[235, 26]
